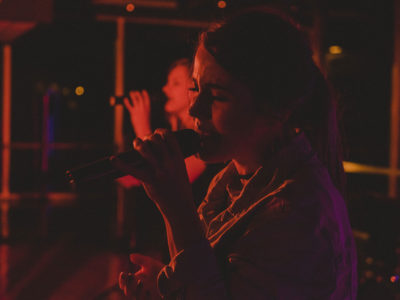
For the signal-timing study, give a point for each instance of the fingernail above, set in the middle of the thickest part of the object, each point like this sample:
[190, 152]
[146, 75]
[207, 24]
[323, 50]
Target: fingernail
[137, 142]
[123, 275]
[139, 283]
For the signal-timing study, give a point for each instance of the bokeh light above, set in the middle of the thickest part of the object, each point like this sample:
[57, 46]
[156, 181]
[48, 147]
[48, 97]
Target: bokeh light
[335, 49]
[79, 90]
[221, 4]
[130, 7]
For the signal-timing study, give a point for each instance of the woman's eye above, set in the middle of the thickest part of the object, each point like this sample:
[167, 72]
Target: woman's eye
[219, 98]
[195, 87]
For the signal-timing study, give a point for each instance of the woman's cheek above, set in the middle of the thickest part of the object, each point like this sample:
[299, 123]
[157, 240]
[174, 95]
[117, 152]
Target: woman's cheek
[221, 121]
[227, 121]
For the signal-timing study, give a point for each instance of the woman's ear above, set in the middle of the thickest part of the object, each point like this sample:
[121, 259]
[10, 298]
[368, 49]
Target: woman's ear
[270, 116]
[270, 123]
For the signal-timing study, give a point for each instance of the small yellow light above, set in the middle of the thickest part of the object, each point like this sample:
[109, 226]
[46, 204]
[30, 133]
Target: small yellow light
[79, 90]
[221, 4]
[130, 7]
[335, 49]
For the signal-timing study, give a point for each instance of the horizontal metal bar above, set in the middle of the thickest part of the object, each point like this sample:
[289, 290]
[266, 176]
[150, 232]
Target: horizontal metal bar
[156, 21]
[58, 145]
[352, 167]
[53, 197]
[166, 4]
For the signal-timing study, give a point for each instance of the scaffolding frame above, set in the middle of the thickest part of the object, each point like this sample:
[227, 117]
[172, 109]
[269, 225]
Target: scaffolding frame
[6, 197]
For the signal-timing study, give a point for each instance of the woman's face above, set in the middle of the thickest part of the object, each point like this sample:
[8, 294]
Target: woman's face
[176, 90]
[224, 112]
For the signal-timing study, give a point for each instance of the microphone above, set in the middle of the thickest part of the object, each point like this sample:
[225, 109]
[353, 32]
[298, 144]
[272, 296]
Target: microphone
[188, 140]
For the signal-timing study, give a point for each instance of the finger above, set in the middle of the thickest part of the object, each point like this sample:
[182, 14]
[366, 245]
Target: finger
[163, 150]
[146, 149]
[128, 104]
[139, 259]
[146, 98]
[171, 142]
[132, 94]
[136, 97]
[132, 287]
[127, 283]
[139, 290]
[134, 267]
[122, 280]
[147, 264]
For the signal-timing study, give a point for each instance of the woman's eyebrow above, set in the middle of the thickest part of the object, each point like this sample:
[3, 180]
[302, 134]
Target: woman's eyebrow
[196, 86]
[210, 85]
[216, 86]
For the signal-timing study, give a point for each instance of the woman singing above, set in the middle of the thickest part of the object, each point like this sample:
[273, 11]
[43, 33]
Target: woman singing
[273, 224]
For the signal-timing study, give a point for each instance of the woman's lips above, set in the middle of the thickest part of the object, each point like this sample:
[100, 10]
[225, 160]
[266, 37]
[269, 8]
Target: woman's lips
[204, 133]
[208, 138]
[203, 129]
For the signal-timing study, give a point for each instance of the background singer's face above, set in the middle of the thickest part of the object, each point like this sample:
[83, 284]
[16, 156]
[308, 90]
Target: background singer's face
[176, 90]
[224, 111]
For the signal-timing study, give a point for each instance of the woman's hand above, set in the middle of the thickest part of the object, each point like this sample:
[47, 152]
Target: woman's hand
[143, 283]
[139, 107]
[166, 182]
[164, 177]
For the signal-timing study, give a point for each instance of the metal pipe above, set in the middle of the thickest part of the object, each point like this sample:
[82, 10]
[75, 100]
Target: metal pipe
[119, 115]
[6, 141]
[395, 104]
[119, 84]
[6, 136]
[184, 23]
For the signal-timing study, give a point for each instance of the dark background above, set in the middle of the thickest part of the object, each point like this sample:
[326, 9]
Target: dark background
[73, 48]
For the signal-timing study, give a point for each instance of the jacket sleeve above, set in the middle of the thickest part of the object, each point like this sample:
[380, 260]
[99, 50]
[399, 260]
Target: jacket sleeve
[193, 274]
[283, 257]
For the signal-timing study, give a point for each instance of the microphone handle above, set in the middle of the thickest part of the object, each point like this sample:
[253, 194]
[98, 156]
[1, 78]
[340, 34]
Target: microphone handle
[103, 169]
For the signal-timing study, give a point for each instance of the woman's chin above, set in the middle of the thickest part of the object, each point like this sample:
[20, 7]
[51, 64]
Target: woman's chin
[174, 108]
[211, 159]
[211, 150]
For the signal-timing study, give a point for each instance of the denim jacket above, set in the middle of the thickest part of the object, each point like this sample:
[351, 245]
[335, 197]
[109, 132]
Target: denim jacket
[284, 234]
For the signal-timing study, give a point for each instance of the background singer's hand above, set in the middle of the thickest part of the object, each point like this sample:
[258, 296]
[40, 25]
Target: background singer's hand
[139, 106]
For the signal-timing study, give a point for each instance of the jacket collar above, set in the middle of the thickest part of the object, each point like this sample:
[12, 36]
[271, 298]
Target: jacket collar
[226, 204]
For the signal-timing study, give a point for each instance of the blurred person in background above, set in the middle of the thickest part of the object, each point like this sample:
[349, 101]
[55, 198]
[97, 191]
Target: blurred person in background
[176, 91]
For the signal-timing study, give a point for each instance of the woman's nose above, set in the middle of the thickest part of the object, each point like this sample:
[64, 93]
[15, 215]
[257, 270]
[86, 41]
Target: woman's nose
[164, 89]
[200, 108]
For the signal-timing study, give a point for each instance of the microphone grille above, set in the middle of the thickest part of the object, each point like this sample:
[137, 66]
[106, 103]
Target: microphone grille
[189, 141]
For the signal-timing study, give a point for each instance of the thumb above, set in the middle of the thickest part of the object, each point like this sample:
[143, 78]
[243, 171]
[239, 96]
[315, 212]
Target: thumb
[139, 259]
